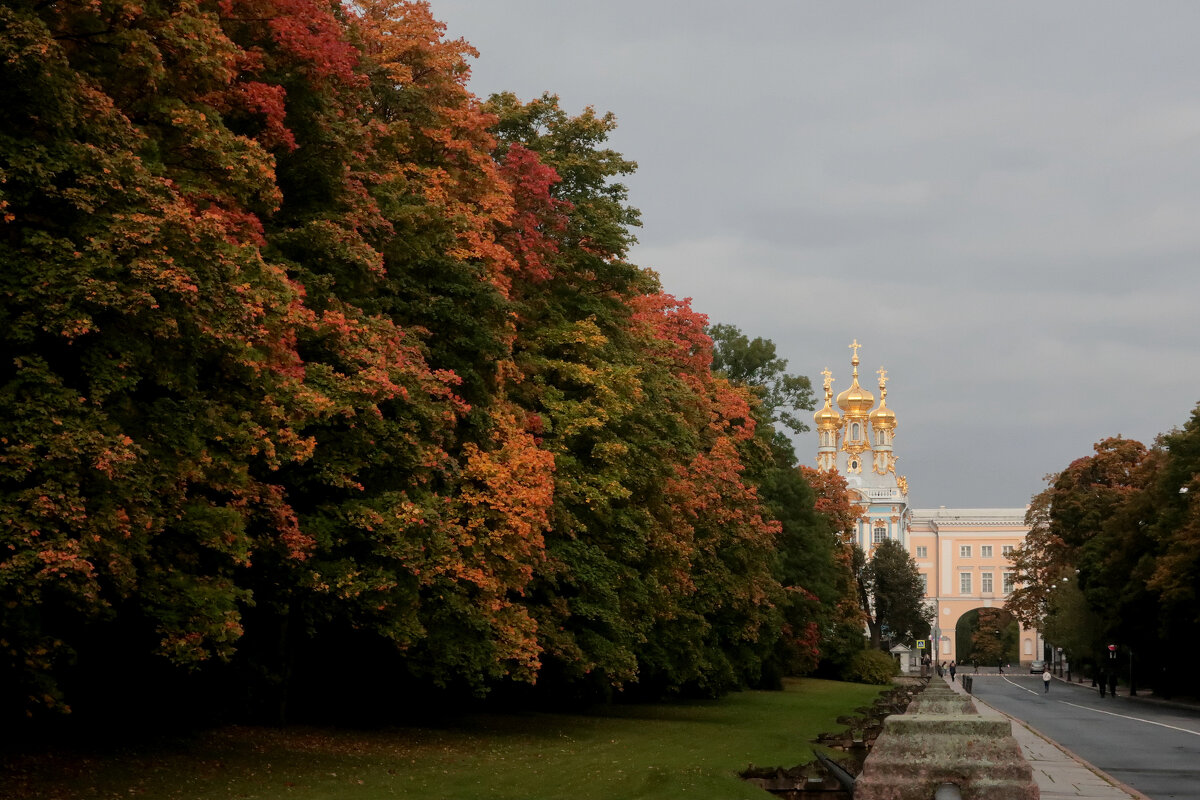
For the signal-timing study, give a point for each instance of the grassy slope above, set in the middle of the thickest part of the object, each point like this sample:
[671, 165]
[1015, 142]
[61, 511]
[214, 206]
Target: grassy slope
[662, 751]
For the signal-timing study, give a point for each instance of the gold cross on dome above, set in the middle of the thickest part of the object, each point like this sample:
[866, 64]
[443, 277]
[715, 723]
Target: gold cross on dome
[828, 378]
[855, 347]
[883, 378]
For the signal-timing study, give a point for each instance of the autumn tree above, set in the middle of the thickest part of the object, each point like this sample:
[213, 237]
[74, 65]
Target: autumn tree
[1114, 525]
[328, 385]
[843, 635]
[1079, 531]
[151, 382]
[755, 363]
[994, 638]
[807, 567]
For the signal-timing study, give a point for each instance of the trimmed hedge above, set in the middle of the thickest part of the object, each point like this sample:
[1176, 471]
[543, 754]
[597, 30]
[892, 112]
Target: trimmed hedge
[872, 666]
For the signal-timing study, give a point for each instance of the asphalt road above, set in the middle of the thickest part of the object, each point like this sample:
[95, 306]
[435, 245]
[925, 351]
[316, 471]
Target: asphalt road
[1155, 749]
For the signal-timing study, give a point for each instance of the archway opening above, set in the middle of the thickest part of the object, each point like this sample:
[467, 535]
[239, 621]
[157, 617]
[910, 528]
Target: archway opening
[988, 637]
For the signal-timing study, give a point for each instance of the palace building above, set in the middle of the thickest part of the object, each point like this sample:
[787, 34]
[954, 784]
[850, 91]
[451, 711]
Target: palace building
[962, 553]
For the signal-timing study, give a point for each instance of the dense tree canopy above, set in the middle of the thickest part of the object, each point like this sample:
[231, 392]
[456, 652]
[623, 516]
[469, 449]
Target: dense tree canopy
[754, 362]
[1114, 534]
[326, 384]
[891, 594]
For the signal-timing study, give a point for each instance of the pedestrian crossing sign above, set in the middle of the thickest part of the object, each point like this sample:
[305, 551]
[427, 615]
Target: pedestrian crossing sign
[920, 644]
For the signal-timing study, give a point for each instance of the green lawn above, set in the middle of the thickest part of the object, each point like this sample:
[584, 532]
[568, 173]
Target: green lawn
[682, 750]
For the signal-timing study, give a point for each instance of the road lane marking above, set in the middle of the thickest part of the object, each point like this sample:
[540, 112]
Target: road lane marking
[1019, 686]
[1135, 719]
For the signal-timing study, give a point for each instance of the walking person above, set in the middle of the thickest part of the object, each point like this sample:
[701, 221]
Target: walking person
[1046, 680]
[1112, 683]
[953, 669]
[1100, 680]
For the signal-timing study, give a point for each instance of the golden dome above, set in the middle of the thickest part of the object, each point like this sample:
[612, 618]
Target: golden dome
[827, 419]
[883, 418]
[855, 401]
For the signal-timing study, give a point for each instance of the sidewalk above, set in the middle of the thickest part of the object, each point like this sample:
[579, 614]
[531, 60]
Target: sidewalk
[1059, 774]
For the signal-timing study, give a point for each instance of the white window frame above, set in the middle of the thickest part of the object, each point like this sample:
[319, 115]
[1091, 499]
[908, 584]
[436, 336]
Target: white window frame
[1007, 582]
[922, 551]
[985, 551]
[878, 534]
[964, 551]
[964, 583]
[985, 583]
[1006, 550]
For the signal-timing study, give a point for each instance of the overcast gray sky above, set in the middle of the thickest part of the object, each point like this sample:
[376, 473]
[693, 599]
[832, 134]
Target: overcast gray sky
[1000, 201]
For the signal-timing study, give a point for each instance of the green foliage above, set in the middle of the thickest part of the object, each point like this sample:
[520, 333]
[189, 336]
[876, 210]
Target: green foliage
[806, 567]
[872, 666]
[891, 594]
[991, 636]
[754, 363]
[1070, 623]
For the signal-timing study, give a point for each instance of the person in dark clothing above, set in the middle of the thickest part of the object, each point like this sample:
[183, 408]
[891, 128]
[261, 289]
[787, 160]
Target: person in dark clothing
[953, 669]
[1100, 681]
[1112, 683]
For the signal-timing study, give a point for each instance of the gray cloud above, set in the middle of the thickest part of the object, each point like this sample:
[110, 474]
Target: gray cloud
[1000, 201]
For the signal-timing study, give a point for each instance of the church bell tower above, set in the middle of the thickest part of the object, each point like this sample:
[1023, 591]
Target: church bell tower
[858, 442]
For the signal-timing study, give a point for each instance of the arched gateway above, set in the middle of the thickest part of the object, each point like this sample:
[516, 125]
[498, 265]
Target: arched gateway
[962, 553]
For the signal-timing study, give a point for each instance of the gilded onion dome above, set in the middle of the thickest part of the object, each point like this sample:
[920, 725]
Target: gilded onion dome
[883, 418]
[855, 401]
[827, 419]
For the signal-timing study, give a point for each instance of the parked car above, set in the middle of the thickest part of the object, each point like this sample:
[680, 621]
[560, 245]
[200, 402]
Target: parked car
[1037, 667]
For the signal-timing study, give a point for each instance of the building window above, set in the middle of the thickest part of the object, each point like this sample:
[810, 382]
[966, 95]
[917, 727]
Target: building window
[879, 534]
[922, 552]
[964, 583]
[854, 432]
[924, 583]
[985, 551]
[985, 582]
[964, 551]
[1006, 550]
[1008, 582]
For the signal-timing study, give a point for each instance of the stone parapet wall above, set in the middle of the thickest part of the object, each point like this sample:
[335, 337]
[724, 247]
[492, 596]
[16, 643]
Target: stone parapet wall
[941, 741]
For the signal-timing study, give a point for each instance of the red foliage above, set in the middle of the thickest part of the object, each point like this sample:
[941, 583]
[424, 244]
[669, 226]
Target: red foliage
[680, 329]
[531, 235]
[834, 500]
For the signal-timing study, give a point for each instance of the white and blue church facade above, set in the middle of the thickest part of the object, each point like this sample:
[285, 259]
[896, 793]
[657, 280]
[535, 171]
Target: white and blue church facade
[961, 553]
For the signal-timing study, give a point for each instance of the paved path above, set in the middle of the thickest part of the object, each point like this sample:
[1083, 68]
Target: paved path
[1059, 774]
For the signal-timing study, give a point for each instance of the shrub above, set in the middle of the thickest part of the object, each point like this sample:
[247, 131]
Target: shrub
[871, 666]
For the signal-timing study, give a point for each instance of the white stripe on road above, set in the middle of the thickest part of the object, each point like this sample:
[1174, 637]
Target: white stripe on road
[1110, 713]
[1135, 719]
[1019, 686]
